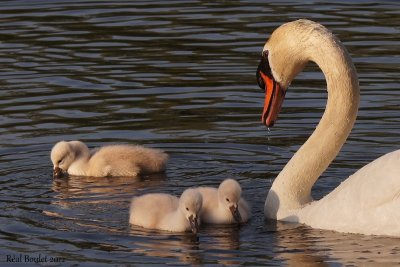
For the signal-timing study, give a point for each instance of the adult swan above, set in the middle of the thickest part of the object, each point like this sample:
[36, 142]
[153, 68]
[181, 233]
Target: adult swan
[368, 202]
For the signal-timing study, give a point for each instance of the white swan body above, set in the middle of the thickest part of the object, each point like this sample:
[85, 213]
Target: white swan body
[167, 212]
[368, 202]
[75, 158]
[225, 204]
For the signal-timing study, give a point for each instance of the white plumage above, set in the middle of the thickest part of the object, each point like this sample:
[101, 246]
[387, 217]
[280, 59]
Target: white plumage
[75, 158]
[367, 202]
[167, 212]
[225, 204]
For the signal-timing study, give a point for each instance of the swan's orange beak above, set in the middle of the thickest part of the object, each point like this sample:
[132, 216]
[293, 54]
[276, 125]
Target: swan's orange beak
[274, 92]
[274, 96]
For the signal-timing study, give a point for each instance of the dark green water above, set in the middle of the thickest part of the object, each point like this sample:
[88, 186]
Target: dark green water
[178, 75]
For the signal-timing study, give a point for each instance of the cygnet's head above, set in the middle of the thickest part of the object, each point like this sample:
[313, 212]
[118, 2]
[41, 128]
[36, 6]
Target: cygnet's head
[229, 193]
[62, 155]
[190, 204]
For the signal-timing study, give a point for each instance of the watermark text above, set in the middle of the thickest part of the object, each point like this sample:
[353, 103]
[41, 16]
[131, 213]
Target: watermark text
[39, 258]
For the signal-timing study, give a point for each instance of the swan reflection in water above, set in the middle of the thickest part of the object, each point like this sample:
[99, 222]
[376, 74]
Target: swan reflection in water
[215, 244]
[98, 203]
[104, 189]
[299, 245]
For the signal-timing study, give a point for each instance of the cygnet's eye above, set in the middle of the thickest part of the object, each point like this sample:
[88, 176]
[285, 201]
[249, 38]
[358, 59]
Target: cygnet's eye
[60, 161]
[187, 208]
[227, 199]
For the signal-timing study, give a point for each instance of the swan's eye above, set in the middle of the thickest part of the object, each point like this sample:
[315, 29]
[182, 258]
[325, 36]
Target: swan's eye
[227, 199]
[60, 161]
[263, 69]
[187, 208]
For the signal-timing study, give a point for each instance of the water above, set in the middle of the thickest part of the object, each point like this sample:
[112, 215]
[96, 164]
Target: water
[178, 75]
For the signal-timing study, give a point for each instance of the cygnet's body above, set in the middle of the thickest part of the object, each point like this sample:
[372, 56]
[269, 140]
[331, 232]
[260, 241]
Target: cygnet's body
[225, 204]
[75, 158]
[167, 212]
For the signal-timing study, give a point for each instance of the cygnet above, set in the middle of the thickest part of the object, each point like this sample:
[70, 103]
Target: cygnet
[167, 212]
[225, 204]
[75, 159]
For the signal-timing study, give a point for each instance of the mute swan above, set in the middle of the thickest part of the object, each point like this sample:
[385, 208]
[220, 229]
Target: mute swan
[368, 202]
[225, 204]
[114, 160]
[167, 212]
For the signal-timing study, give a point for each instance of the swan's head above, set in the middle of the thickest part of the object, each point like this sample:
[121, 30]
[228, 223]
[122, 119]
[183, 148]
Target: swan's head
[190, 204]
[283, 57]
[229, 193]
[62, 155]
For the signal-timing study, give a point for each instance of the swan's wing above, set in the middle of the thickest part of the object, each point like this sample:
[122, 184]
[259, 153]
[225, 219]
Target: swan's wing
[377, 183]
[367, 202]
[149, 210]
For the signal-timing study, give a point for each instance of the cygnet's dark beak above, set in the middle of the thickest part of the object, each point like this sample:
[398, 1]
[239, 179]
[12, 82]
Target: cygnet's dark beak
[194, 224]
[235, 212]
[57, 172]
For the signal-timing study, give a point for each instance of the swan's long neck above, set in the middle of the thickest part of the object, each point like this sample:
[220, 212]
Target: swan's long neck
[292, 188]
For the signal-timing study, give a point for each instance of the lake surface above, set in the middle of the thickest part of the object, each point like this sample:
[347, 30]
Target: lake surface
[180, 76]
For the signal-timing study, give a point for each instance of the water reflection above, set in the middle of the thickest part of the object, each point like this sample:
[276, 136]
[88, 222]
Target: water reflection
[298, 244]
[215, 245]
[86, 187]
[183, 248]
[222, 243]
[88, 201]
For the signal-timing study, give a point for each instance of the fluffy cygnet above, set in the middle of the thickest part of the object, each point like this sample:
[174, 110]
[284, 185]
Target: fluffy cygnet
[75, 158]
[167, 212]
[225, 204]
